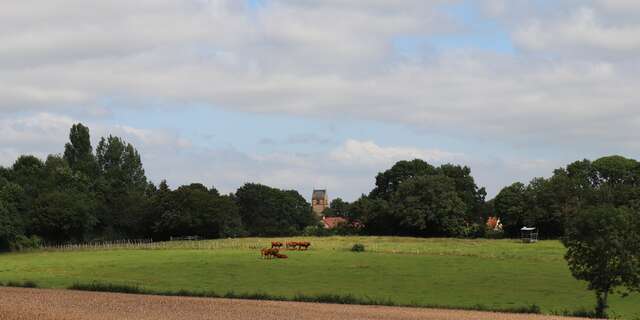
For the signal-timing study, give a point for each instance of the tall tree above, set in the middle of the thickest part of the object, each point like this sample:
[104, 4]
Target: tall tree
[121, 188]
[78, 152]
[603, 248]
[120, 164]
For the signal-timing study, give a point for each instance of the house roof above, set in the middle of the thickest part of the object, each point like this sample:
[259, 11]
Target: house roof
[332, 222]
[319, 194]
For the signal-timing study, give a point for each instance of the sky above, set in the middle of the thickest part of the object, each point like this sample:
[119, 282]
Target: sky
[301, 94]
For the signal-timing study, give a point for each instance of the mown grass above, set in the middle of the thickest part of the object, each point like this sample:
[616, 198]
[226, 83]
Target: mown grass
[467, 274]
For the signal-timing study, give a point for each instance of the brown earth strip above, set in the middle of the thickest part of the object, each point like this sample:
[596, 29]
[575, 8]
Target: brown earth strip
[43, 304]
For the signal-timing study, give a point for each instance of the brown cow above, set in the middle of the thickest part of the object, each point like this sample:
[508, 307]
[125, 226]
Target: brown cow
[267, 253]
[291, 245]
[304, 245]
[276, 244]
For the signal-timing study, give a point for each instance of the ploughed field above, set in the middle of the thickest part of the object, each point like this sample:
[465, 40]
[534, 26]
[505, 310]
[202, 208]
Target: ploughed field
[496, 274]
[30, 304]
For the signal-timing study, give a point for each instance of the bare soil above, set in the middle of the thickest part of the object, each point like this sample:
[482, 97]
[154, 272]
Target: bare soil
[43, 304]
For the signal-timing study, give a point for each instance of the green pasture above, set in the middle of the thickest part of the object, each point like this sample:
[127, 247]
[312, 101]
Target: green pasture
[498, 274]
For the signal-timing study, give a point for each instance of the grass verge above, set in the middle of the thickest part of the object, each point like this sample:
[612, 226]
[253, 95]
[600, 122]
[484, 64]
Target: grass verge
[323, 298]
[17, 284]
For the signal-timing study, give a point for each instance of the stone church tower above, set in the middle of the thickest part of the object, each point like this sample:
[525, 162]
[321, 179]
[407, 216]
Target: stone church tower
[319, 201]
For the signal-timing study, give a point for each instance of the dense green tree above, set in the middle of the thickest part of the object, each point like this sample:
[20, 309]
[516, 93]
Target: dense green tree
[29, 173]
[376, 215]
[547, 203]
[467, 190]
[121, 188]
[388, 182]
[338, 208]
[12, 224]
[541, 208]
[60, 176]
[194, 210]
[428, 206]
[617, 170]
[78, 152]
[510, 206]
[603, 248]
[63, 216]
[120, 164]
[267, 211]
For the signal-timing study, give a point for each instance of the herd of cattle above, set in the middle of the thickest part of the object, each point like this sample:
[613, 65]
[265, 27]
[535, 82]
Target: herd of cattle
[274, 251]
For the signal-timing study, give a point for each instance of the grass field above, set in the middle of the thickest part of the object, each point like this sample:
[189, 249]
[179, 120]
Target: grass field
[500, 274]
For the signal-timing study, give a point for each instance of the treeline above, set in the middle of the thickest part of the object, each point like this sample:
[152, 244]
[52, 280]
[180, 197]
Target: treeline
[84, 195]
[612, 181]
[103, 194]
[415, 198]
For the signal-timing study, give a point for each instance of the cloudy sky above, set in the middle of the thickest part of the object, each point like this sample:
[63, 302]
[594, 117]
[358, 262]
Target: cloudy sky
[300, 94]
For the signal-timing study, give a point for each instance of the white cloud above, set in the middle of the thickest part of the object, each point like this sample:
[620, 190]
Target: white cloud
[36, 134]
[583, 29]
[619, 6]
[354, 152]
[330, 59]
[42, 134]
[572, 83]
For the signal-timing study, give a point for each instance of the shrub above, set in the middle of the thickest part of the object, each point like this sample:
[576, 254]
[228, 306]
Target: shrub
[494, 234]
[358, 247]
[25, 284]
[317, 231]
[580, 313]
[25, 243]
[108, 287]
[470, 231]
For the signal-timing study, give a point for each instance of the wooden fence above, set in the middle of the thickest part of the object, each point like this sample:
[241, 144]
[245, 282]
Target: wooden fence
[114, 244]
[175, 243]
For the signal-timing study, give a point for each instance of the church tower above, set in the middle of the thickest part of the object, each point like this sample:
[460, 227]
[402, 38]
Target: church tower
[319, 201]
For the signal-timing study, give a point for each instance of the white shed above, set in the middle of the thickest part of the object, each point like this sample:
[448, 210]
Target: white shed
[529, 234]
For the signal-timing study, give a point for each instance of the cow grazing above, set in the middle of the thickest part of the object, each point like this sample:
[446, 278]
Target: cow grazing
[291, 245]
[304, 245]
[276, 244]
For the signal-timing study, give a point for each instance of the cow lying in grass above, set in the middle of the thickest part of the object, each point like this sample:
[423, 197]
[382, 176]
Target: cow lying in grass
[267, 253]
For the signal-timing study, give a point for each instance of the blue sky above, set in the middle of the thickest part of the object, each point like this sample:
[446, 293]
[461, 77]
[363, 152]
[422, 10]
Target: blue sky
[324, 94]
